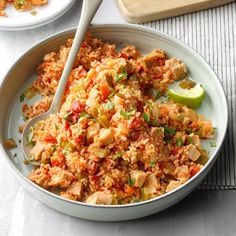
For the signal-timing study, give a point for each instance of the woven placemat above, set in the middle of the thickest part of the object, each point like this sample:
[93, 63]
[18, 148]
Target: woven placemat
[212, 33]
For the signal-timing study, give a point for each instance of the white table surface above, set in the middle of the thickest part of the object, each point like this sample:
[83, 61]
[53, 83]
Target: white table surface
[207, 213]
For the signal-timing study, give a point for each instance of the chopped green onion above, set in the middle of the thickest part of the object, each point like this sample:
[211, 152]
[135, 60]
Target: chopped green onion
[131, 182]
[54, 147]
[25, 118]
[85, 115]
[109, 106]
[169, 132]
[67, 115]
[152, 163]
[179, 142]
[213, 144]
[125, 114]
[15, 155]
[122, 75]
[117, 155]
[22, 97]
[30, 137]
[56, 127]
[158, 95]
[146, 117]
[189, 140]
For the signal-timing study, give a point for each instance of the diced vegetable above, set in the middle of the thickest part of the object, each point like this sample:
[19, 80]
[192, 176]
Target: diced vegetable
[101, 153]
[109, 106]
[103, 121]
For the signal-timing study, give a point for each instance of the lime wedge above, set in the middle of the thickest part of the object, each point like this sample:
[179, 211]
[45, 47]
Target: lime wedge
[192, 98]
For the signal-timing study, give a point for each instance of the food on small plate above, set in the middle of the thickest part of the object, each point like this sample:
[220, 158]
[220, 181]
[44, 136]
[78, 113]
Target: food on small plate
[21, 5]
[118, 138]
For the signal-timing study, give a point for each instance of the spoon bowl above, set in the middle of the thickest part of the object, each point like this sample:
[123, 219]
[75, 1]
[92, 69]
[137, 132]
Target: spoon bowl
[88, 11]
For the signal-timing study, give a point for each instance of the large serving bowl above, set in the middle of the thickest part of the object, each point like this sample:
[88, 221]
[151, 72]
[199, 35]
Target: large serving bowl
[22, 73]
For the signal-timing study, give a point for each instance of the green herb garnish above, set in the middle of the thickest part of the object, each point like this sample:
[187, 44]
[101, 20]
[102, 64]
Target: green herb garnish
[15, 155]
[30, 137]
[84, 115]
[169, 133]
[125, 114]
[22, 97]
[152, 163]
[117, 155]
[65, 117]
[25, 118]
[158, 95]
[189, 140]
[179, 142]
[122, 75]
[146, 117]
[54, 147]
[109, 106]
[131, 182]
[213, 144]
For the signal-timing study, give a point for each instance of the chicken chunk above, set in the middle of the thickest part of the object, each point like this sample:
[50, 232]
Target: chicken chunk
[59, 177]
[151, 184]
[106, 136]
[40, 176]
[37, 150]
[177, 68]
[172, 185]
[75, 189]
[104, 198]
[192, 153]
[139, 177]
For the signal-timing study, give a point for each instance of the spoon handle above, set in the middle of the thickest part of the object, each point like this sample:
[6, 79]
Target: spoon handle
[89, 9]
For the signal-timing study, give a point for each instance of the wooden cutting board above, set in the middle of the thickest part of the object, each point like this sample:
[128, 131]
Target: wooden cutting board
[139, 11]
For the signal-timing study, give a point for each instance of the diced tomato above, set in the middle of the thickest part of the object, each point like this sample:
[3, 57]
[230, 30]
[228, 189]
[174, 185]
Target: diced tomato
[157, 75]
[161, 62]
[175, 150]
[50, 139]
[77, 107]
[139, 106]
[135, 123]
[105, 90]
[121, 54]
[95, 178]
[84, 44]
[58, 161]
[161, 165]
[83, 73]
[139, 68]
[68, 84]
[194, 170]
[134, 136]
[128, 189]
[194, 125]
[80, 139]
[67, 124]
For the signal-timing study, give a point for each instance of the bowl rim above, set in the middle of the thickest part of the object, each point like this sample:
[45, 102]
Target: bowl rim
[146, 30]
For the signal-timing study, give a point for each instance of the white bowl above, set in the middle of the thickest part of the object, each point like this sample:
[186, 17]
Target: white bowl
[214, 106]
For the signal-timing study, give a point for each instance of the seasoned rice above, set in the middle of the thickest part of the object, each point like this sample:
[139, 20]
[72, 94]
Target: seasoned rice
[116, 139]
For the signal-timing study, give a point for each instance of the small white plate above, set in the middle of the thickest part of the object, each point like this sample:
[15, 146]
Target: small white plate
[21, 20]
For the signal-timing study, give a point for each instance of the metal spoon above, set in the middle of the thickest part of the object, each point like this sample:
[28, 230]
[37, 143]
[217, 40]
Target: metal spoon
[89, 9]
